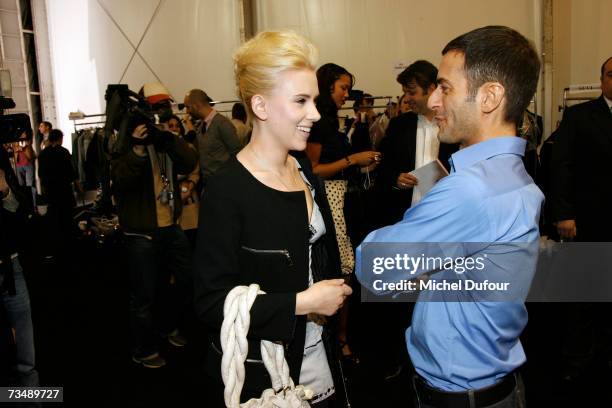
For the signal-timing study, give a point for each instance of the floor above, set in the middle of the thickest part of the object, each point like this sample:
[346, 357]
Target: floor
[80, 309]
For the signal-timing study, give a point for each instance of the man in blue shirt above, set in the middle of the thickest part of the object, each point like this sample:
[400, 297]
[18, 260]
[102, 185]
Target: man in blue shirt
[465, 353]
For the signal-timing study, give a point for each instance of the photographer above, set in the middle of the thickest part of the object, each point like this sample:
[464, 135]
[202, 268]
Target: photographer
[13, 290]
[147, 193]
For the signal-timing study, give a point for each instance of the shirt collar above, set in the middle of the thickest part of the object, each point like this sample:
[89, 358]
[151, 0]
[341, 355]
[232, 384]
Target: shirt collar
[423, 121]
[468, 156]
[609, 102]
[210, 117]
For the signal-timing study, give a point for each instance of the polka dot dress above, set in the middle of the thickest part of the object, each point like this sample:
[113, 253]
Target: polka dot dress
[335, 190]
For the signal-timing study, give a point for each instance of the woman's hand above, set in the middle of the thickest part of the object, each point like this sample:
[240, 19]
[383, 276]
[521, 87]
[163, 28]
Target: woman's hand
[366, 158]
[324, 297]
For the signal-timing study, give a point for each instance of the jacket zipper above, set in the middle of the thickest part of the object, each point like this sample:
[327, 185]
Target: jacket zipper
[283, 252]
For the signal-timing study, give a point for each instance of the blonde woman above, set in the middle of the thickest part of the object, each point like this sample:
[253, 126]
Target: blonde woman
[264, 219]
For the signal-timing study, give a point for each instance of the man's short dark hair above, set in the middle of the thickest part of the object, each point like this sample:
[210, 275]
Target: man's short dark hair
[198, 95]
[424, 73]
[55, 135]
[500, 54]
[603, 66]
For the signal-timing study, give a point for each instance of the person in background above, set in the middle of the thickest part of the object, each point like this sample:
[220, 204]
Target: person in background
[217, 140]
[24, 161]
[580, 201]
[330, 154]
[144, 172]
[42, 140]
[403, 104]
[14, 296]
[190, 194]
[58, 176]
[239, 118]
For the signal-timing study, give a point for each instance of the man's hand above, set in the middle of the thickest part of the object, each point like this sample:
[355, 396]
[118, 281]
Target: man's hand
[567, 229]
[4, 187]
[406, 180]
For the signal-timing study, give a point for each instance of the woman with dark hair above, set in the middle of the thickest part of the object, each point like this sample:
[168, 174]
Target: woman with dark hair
[332, 159]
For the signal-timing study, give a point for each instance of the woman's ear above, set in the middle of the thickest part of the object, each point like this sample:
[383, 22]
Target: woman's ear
[492, 95]
[259, 107]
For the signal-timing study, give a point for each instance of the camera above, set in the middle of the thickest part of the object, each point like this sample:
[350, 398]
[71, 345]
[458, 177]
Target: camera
[126, 109]
[12, 126]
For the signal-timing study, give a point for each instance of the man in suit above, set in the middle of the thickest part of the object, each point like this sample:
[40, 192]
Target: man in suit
[580, 195]
[217, 140]
[411, 141]
[580, 202]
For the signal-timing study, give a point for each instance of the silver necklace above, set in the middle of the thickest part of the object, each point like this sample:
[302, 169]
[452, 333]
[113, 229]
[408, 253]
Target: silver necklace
[263, 164]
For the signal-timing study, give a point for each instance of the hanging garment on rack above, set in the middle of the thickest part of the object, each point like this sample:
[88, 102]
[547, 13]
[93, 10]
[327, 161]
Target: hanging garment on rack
[95, 160]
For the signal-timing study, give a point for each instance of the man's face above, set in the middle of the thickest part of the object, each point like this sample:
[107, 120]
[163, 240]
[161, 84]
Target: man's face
[191, 108]
[606, 80]
[416, 97]
[455, 111]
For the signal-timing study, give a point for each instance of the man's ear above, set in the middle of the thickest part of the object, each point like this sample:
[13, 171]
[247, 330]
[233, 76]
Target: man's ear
[259, 107]
[491, 96]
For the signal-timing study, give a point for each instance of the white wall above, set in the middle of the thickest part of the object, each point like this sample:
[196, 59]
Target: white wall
[582, 42]
[188, 45]
[368, 37]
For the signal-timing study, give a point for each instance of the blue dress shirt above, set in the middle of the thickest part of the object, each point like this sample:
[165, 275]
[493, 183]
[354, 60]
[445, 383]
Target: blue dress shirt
[487, 199]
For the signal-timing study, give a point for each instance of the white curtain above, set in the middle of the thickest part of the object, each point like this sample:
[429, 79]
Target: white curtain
[188, 44]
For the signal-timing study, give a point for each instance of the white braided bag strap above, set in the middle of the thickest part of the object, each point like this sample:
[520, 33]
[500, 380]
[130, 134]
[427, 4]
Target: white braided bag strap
[236, 322]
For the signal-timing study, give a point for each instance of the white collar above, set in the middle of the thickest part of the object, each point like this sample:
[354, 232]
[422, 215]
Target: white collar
[609, 102]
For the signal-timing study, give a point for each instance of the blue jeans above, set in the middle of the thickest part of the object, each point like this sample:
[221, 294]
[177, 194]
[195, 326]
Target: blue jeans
[20, 318]
[151, 261]
[25, 177]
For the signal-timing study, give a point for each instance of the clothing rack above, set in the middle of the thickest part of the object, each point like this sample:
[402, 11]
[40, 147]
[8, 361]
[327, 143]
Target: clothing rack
[215, 103]
[78, 115]
[579, 89]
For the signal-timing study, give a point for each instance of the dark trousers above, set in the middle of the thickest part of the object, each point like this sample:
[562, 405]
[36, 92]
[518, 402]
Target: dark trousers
[516, 399]
[152, 261]
[587, 336]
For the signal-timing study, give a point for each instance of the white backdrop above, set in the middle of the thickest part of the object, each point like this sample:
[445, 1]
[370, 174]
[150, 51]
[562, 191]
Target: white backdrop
[188, 45]
[369, 37]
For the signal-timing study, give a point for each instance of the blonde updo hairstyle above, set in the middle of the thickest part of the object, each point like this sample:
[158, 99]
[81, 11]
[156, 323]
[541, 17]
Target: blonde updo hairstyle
[259, 62]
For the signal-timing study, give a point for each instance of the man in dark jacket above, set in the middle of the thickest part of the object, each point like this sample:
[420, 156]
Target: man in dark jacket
[57, 176]
[580, 202]
[148, 201]
[410, 142]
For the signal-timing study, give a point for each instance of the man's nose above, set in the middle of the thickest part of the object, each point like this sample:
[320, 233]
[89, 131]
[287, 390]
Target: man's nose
[434, 100]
